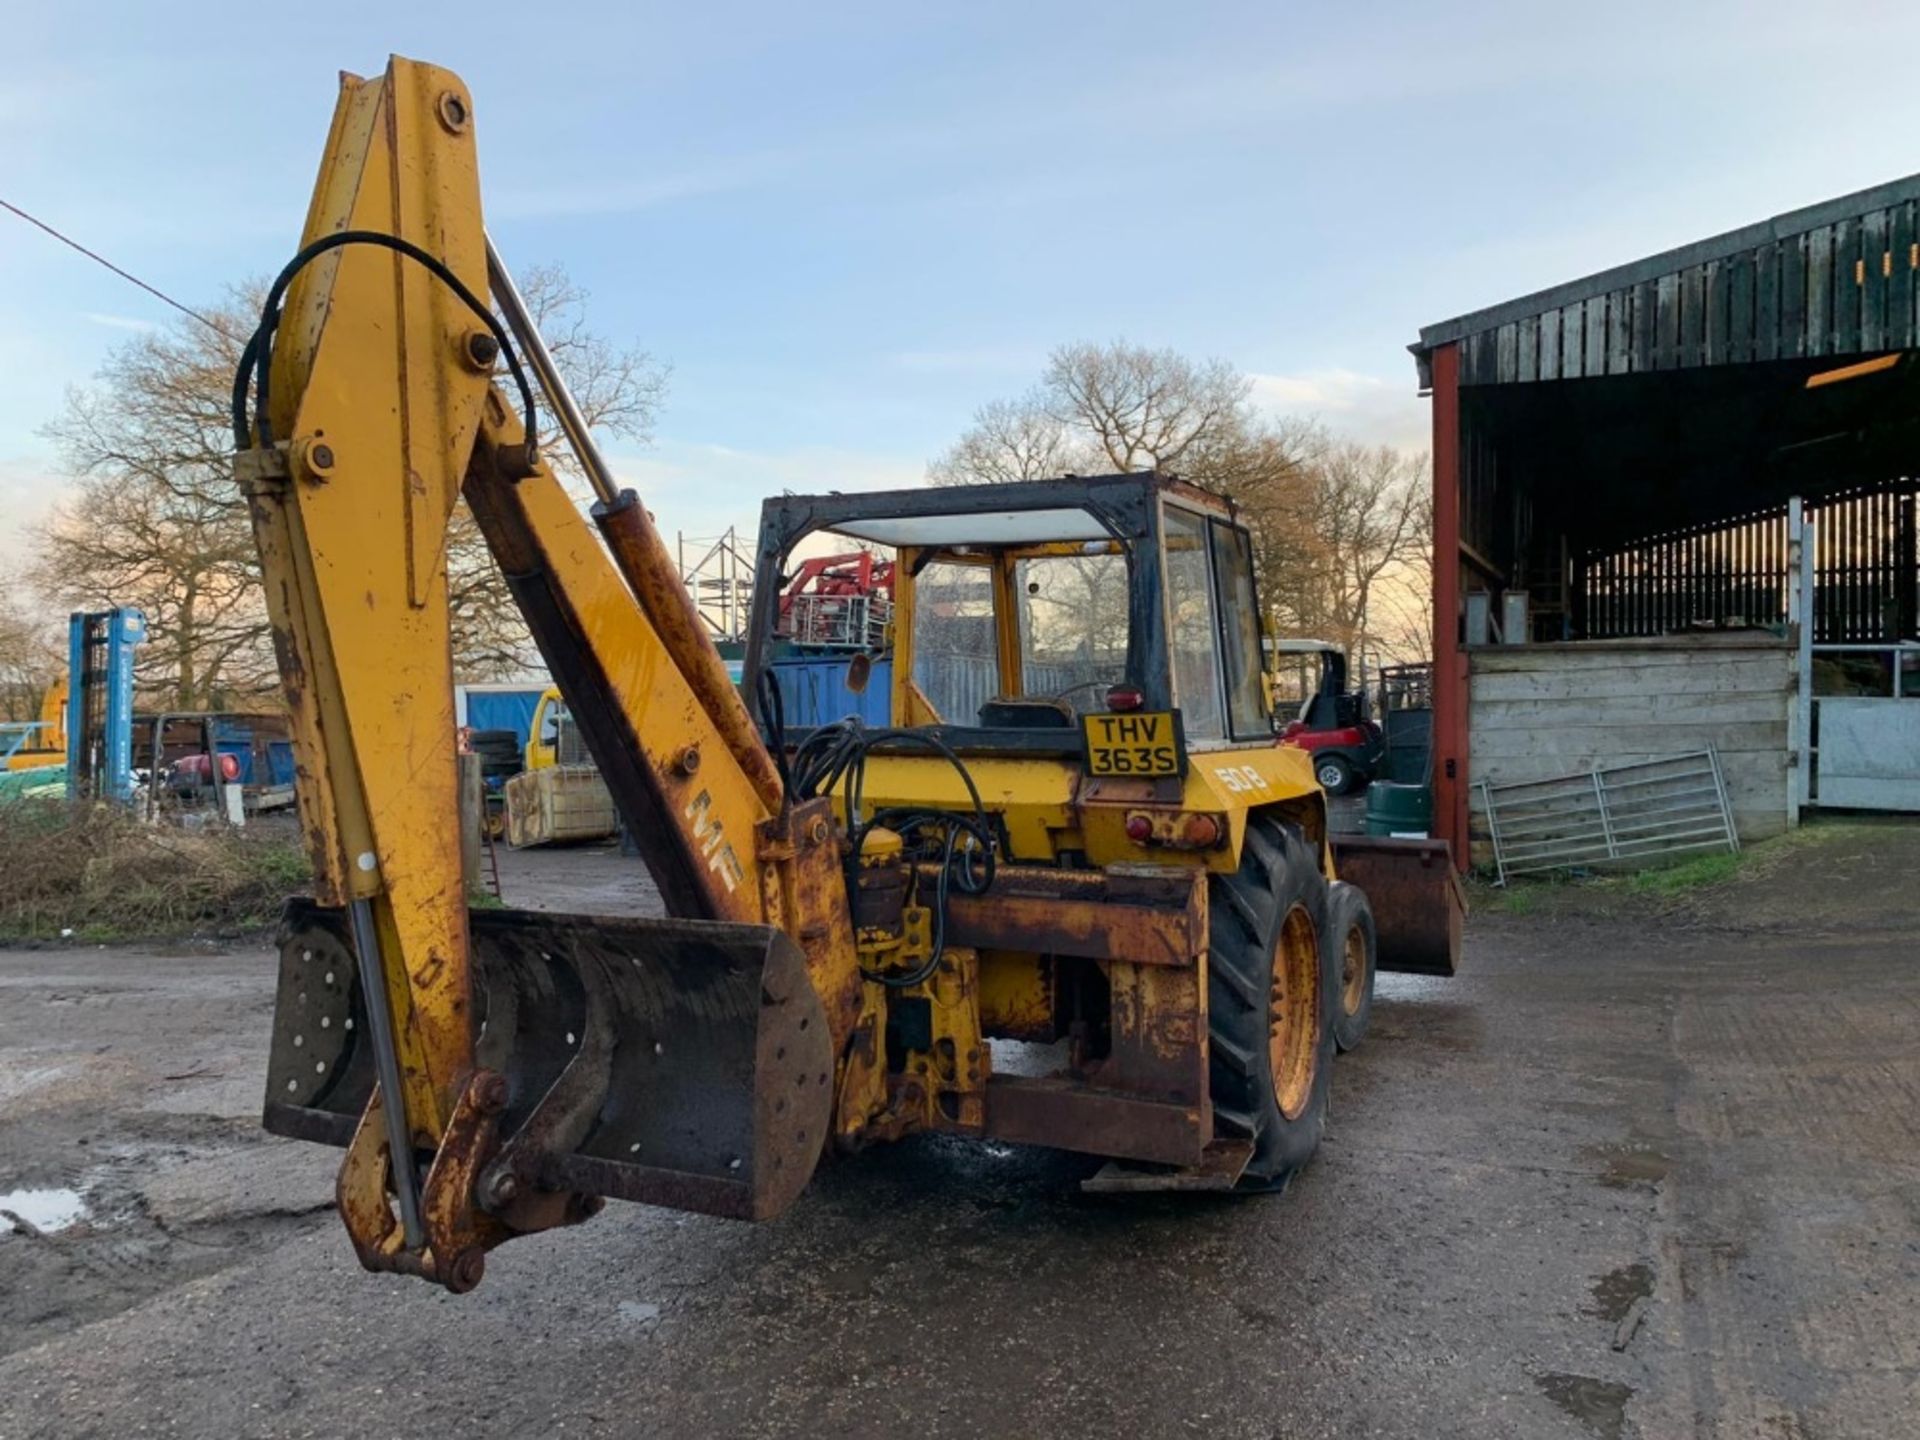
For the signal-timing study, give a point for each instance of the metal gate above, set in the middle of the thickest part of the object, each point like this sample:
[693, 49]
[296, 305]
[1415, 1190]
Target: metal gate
[1857, 722]
[1632, 813]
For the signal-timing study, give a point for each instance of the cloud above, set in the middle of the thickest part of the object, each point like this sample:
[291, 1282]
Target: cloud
[1357, 406]
[27, 491]
[1317, 390]
[120, 322]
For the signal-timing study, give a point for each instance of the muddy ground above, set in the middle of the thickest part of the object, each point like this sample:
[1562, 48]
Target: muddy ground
[1650, 1167]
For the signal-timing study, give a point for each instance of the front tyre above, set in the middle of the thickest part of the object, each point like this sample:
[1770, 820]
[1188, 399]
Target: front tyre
[1269, 1009]
[1355, 952]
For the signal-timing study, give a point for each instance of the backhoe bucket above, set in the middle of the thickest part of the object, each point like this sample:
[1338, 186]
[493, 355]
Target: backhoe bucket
[675, 1062]
[1417, 901]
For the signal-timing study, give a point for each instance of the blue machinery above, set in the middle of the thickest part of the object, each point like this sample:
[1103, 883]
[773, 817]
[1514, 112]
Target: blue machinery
[100, 648]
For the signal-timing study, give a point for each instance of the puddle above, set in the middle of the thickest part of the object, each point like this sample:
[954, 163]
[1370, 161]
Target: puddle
[44, 1210]
[1615, 1291]
[1626, 1166]
[1600, 1405]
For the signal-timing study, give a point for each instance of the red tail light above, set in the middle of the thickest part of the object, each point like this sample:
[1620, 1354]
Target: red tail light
[229, 768]
[1125, 697]
[1139, 829]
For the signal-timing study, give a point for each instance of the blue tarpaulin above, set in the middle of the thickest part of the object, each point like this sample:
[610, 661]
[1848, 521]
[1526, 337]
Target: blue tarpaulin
[502, 709]
[814, 691]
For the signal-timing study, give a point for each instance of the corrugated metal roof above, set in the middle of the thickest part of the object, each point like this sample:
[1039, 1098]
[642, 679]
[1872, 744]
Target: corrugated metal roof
[1838, 278]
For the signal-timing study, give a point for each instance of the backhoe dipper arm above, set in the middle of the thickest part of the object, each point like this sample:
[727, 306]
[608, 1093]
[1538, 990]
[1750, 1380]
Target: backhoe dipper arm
[377, 411]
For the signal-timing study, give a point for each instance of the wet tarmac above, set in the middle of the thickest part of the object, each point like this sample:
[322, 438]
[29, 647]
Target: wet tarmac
[1624, 1177]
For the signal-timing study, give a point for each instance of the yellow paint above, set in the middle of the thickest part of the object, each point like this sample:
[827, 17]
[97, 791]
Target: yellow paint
[355, 570]
[47, 745]
[355, 561]
[1016, 995]
[539, 754]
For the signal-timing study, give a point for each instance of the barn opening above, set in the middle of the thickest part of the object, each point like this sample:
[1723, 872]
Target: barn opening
[1617, 463]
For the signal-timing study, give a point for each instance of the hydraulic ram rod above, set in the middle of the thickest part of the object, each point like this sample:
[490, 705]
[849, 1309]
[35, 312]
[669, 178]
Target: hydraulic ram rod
[640, 554]
[513, 309]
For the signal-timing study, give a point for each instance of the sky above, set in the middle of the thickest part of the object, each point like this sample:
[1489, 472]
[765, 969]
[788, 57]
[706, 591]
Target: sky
[846, 226]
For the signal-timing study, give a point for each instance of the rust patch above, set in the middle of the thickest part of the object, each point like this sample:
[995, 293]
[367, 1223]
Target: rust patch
[1140, 919]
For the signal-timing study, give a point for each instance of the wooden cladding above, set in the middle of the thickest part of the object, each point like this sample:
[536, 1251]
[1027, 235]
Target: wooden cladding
[1849, 287]
[1733, 573]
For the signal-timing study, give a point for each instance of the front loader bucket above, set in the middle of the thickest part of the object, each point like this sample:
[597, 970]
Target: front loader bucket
[675, 1062]
[1414, 891]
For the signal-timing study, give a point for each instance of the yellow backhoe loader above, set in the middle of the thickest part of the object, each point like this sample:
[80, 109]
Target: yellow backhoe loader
[1077, 832]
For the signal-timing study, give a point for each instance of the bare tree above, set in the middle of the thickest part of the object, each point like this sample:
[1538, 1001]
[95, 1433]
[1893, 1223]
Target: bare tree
[1102, 408]
[1144, 409]
[1340, 529]
[156, 520]
[1348, 550]
[1011, 440]
[29, 659]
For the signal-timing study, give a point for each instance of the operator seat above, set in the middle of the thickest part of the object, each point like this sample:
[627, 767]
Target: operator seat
[1006, 712]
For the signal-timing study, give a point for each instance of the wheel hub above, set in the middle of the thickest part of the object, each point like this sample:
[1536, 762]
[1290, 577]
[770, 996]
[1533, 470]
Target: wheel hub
[1293, 1014]
[1353, 971]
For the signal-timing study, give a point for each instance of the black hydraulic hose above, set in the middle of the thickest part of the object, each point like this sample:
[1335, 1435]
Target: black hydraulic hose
[834, 757]
[258, 355]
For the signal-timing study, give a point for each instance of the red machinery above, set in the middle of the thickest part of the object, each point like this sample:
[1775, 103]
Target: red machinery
[838, 602]
[1348, 748]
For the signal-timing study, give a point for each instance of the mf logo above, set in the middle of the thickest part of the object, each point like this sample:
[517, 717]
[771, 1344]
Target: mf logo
[712, 843]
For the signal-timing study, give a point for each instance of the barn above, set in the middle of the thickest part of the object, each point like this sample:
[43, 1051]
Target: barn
[1675, 526]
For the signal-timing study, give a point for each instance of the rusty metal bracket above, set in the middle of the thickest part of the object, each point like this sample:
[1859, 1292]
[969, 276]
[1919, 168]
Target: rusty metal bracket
[458, 1232]
[457, 1235]
[1221, 1165]
[259, 469]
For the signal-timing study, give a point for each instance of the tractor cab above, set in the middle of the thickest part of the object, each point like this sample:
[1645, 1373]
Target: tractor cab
[1018, 610]
[1089, 649]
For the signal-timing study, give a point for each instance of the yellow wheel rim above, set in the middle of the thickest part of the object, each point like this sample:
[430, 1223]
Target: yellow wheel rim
[1353, 971]
[1293, 1014]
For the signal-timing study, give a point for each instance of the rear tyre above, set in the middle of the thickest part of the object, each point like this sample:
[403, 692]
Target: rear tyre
[1334, 772]
[1355, 953]
[1269, 1005]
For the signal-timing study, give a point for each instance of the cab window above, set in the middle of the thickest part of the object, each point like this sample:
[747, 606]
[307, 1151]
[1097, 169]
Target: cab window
[1073, 626]
[1192, 636]
[1239, 631]
[956, 655]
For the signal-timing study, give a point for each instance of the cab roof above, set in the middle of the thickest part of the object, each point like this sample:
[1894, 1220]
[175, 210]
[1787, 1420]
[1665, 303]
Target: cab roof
[1031, 512]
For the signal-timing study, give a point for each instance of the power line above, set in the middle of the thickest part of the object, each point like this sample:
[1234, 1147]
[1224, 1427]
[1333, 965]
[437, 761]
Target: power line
[124, 275]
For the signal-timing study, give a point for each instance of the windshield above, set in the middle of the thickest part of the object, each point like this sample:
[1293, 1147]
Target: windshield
[1073, 627]
[955, 652]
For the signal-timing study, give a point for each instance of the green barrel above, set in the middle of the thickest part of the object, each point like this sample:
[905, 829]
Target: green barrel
[1399, 809]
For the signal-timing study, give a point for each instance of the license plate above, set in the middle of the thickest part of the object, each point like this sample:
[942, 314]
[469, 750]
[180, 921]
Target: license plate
[1148, 744]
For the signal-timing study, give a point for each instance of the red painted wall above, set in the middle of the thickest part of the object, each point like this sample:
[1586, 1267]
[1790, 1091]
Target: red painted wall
[1449, 660]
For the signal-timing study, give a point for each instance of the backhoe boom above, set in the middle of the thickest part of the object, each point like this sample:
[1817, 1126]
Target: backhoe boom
[380, 381]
